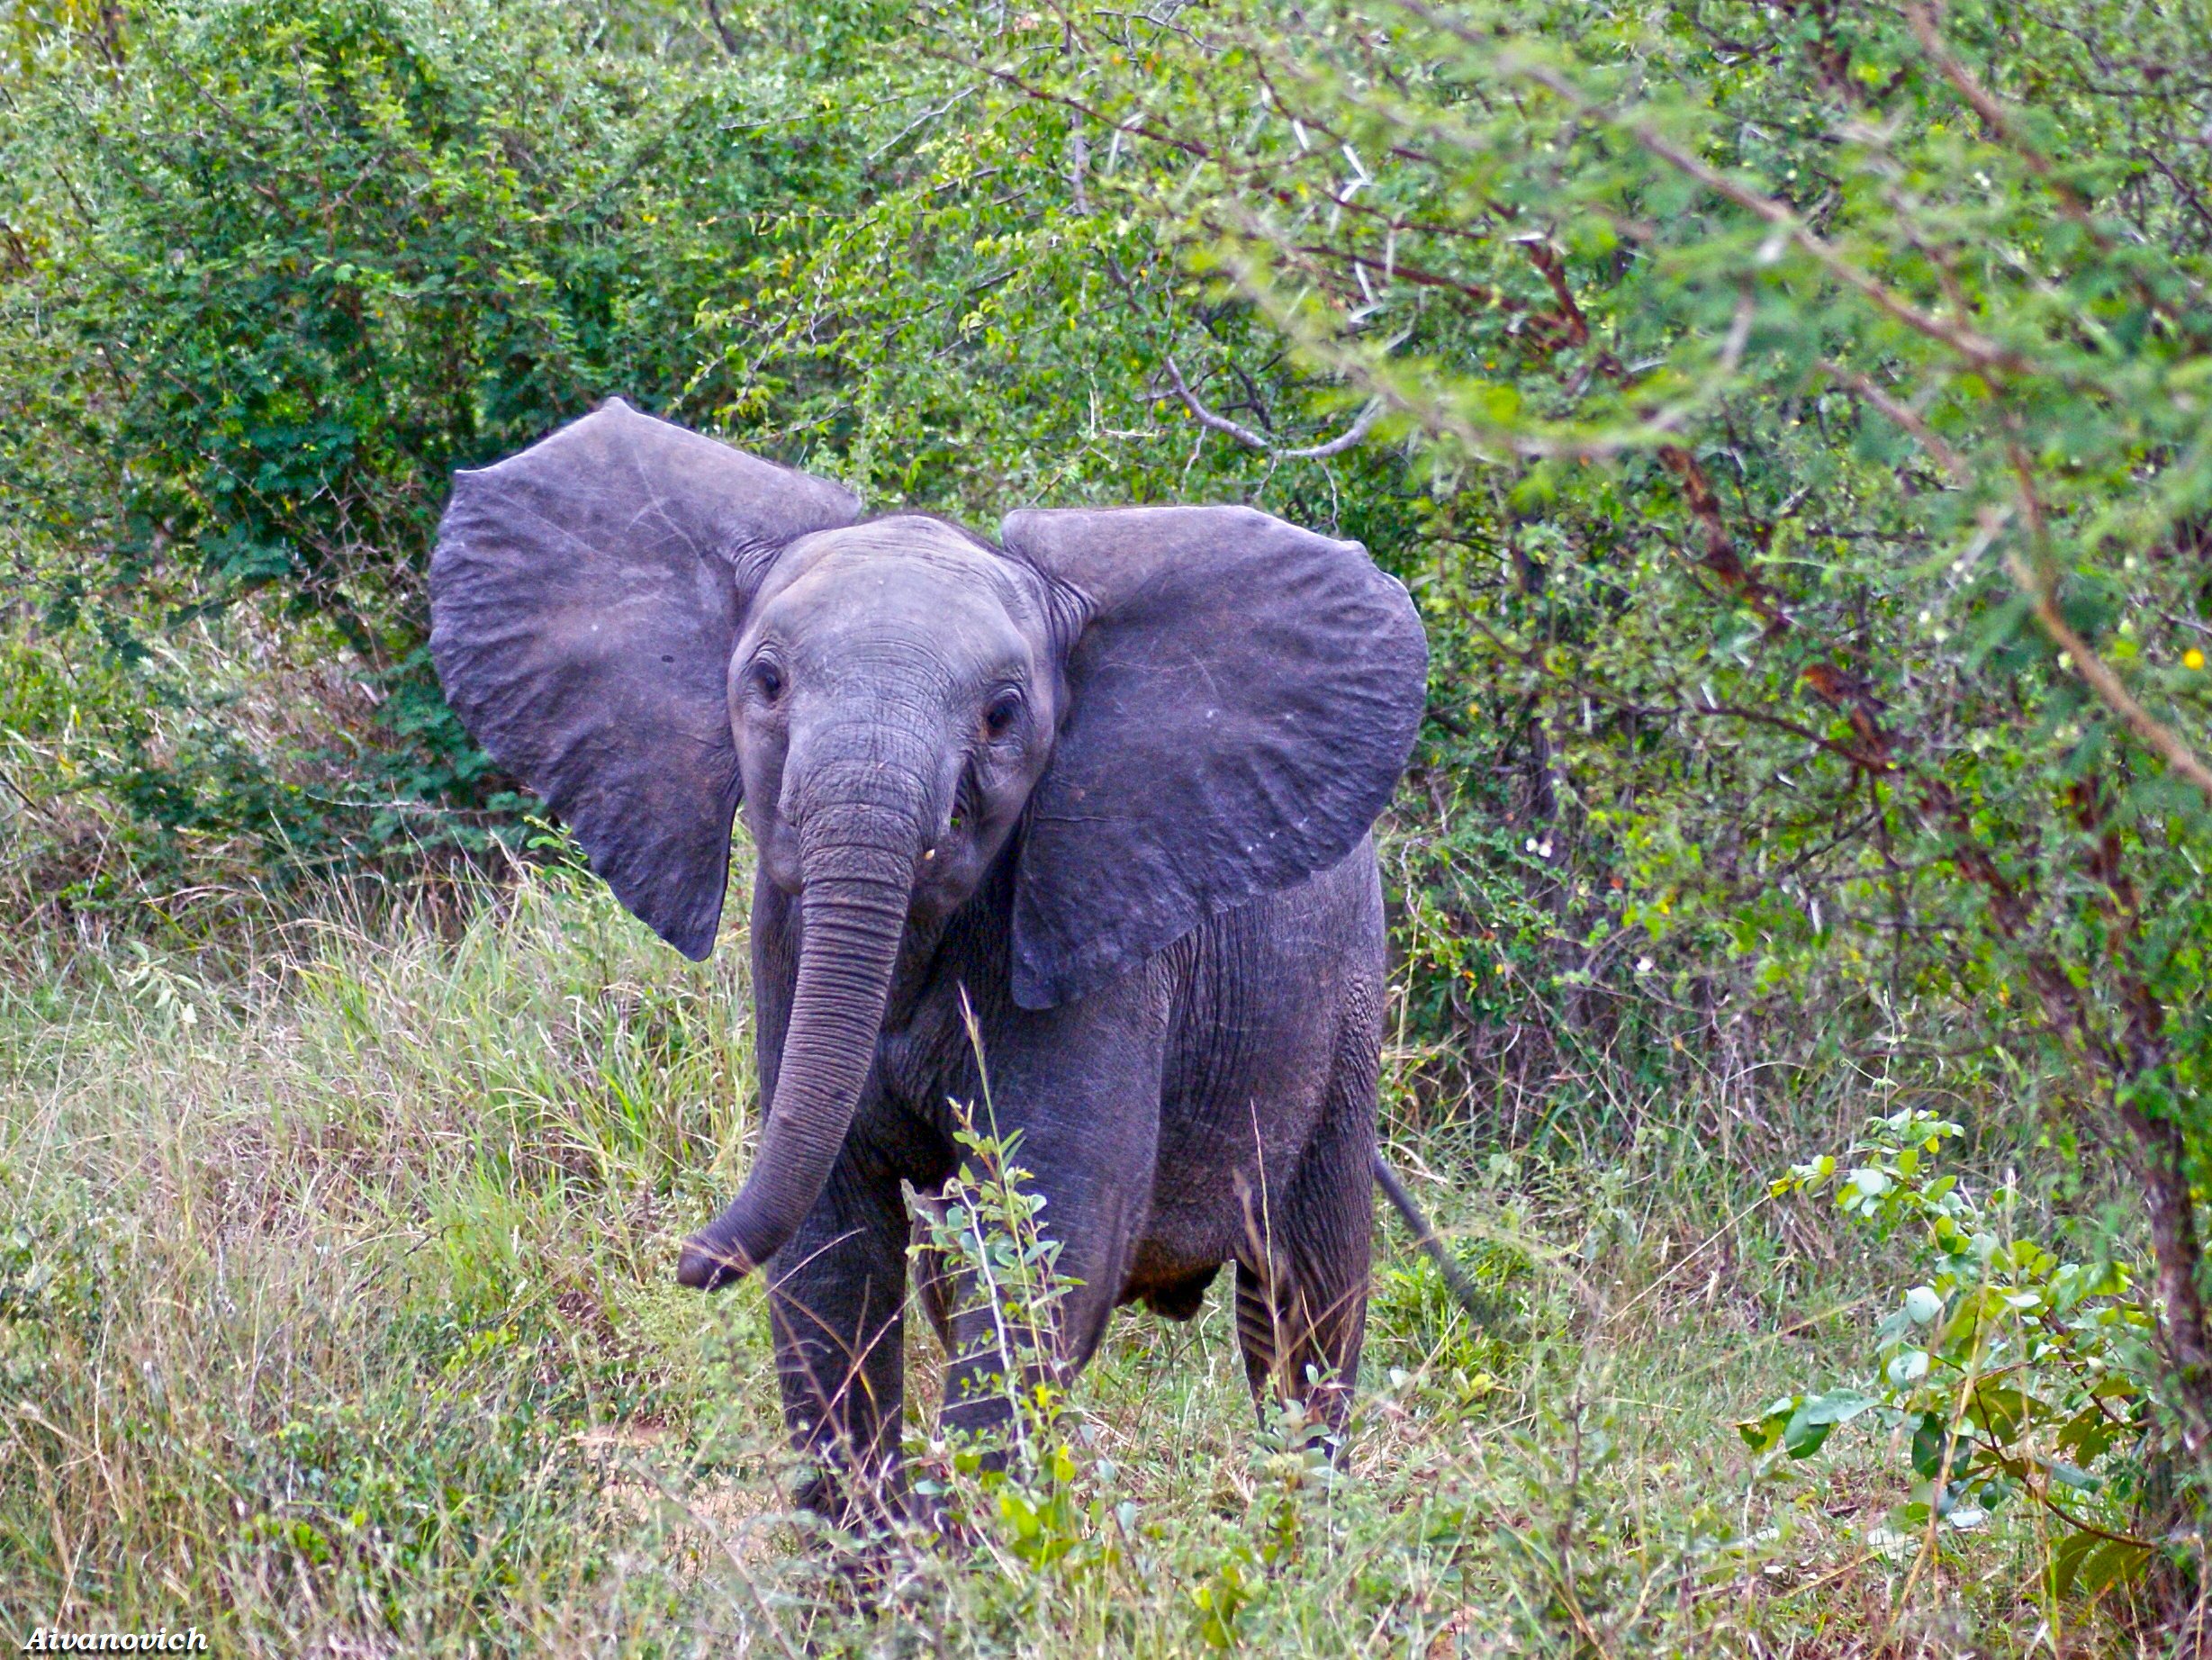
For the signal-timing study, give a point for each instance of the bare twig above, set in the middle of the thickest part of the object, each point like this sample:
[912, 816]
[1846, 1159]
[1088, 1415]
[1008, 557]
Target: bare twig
[1362, 424]
[924, 118]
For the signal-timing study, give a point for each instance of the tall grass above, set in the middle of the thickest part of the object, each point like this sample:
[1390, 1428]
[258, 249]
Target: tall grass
[337, 1317]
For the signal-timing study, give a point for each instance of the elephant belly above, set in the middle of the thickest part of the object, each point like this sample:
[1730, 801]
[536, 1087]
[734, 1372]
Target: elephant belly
[1174, 1294]
[1273, 996]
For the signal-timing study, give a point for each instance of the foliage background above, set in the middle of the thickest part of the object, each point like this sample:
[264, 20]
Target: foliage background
[1782, 414]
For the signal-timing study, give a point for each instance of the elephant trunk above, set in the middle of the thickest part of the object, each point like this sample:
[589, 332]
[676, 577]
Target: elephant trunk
[857, 863]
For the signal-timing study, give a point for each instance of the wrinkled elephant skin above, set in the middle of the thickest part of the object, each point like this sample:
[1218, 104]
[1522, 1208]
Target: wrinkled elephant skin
[1105, 787]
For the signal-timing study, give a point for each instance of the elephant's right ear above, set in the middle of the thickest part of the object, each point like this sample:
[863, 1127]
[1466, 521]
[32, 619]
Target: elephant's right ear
[585, 597]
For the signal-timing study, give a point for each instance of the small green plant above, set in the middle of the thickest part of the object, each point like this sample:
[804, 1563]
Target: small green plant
[2008, 1371]
[985, 1236]
[1027, 1484]
[1431, 1343]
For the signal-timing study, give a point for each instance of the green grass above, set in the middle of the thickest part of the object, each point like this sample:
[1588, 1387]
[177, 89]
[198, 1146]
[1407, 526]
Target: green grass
[337, 1316]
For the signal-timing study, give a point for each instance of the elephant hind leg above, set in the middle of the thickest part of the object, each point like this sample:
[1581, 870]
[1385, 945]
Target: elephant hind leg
[1301, 1296]
[1302, 1272]
[1301, 1325]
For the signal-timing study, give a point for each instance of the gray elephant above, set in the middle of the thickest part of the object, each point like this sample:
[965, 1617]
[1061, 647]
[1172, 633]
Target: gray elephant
[1109, 784]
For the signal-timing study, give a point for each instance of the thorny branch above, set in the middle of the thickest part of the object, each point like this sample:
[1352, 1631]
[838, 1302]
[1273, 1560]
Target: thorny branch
[2078, 654]
[1721, 555]
[1991, 357]
[2099, 678]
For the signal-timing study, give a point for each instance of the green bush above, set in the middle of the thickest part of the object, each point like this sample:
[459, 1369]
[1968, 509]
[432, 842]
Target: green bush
[1813, 416]
[275, 270]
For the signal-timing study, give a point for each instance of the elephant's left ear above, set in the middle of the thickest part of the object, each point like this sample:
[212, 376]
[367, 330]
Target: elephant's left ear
[585, 597]
[1242, 697]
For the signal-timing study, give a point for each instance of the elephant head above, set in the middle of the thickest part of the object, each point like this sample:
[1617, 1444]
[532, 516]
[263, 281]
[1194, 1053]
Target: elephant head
[1158, 713]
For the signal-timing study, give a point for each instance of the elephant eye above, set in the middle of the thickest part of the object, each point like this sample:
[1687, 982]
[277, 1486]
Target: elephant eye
[1000, 715]
[770, 682]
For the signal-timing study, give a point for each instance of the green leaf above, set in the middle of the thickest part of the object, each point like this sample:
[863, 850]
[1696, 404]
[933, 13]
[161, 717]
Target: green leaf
[1929, 1437]
[2002, 1410]
[1809, 1425]
[1907, 1367]
[2088, 1565]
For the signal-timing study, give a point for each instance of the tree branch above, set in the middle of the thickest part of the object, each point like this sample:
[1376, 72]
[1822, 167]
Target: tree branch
[730, 43]
[1985, 354]
[1927, 436]
[1993, 114]
[1362, 424]
[2100, 679]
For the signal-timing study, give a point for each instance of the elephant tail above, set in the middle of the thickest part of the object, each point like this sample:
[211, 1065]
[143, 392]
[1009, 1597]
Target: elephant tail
[1481, 1308]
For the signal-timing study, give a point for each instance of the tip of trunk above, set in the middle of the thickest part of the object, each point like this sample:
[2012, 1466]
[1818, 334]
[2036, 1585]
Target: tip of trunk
[706, 1264]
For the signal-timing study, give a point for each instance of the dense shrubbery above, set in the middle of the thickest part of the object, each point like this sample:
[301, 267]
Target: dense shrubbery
[1789, 418]
[274, 271]
[1811, 405]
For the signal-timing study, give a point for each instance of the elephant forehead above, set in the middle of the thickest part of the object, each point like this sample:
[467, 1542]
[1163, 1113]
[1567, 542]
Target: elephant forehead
[908, 572]
[902, 535]
[923, 547]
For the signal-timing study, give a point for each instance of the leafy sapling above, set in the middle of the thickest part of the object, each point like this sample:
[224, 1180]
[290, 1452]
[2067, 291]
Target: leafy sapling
[2006, 1372]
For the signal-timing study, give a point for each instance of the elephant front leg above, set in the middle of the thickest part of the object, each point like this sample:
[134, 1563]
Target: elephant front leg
[837, 1297]
[1025, 1307]
[1006, 1342]
[1073, 1105]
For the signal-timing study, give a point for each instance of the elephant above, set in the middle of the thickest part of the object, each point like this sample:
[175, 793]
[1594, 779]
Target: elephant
[1082, 818]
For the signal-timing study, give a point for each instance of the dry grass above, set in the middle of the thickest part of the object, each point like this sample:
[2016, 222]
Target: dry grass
[335, 1317]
